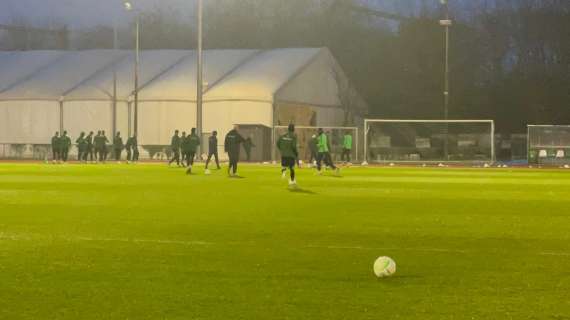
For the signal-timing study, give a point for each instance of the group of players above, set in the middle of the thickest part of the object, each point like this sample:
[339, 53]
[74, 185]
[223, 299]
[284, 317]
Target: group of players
[184, 147]
[93, 148]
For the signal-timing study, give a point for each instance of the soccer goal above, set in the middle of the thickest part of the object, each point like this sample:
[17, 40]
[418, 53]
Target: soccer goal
[429, 141]
[336, 139]
[549, 144]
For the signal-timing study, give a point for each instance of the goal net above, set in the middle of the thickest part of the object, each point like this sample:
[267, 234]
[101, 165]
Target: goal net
[336, 137]
[428, 141]
[548, 144]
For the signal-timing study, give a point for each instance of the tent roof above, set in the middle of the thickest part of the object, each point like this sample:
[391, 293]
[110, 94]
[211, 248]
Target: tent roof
[167, 75]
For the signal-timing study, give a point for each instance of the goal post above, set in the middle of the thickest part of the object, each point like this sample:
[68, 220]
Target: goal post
[429, 141]
[335, 135]
[548, 144]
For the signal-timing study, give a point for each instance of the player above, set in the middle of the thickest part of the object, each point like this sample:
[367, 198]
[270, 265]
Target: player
[232, 146]
[213, 150]
[89, 152]
[175, 146]
[98, 149]
[287, 145]
[118, 146]
[132, 149]
[193, 143]
[104, 148]
[247, 145]
[81, 147]
[55, 147]
[346, 147]
[312, 146]
[64, 145]
[324, 155]
[183, 148]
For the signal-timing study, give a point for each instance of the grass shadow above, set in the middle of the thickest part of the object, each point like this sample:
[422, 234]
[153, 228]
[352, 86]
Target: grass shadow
[301, 191]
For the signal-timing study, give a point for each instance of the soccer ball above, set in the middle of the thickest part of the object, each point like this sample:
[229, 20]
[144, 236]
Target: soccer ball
[384, 267]
[207, 172]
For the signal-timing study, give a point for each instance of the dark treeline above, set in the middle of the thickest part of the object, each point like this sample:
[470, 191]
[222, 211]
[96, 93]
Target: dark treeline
[510, 59]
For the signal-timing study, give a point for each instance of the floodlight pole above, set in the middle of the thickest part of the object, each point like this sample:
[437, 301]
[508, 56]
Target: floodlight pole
[115, 41]
[137, 61]
[129, 7]
[446, 23]
[199, 75]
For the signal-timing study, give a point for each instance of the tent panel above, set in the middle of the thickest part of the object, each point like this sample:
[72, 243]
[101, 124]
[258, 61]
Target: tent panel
[260, 78]
[28, 121]
[179, 83]
[152, 64]
[86, 116]
[122, 118]
[66, 73]
[18, 66]
[158, 120]
[329, 117]
[321, 75]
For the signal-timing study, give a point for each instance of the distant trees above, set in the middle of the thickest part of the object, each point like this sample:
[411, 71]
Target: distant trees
[510, 59]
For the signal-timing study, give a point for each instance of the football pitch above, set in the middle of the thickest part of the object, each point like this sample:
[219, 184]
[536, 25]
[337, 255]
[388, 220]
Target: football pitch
[149, 242]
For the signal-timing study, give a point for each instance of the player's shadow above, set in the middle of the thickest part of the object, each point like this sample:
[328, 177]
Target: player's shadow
[236, 177]
[302, 191]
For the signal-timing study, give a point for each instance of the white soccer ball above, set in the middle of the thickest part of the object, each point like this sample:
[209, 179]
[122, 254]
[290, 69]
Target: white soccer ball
[207, 172]
[364, 163]
[566, 166]
[384, 267]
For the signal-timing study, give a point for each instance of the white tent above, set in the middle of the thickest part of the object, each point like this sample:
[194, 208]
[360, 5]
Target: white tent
[45, 91]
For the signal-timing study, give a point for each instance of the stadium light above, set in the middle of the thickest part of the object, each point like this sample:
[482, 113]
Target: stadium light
[129, 8]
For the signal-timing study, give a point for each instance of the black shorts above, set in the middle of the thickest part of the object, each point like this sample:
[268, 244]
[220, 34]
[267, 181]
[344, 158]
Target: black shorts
[288, 162]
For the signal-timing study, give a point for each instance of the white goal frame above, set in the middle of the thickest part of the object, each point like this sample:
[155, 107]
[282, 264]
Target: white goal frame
[355, 137]
[490, 122]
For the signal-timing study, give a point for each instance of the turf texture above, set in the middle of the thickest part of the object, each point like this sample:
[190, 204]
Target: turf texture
[149, 242]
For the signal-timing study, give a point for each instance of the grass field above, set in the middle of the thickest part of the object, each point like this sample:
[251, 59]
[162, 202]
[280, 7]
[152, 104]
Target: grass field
[148, 242]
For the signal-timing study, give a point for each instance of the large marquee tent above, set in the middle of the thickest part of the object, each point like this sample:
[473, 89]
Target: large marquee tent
[45, 91]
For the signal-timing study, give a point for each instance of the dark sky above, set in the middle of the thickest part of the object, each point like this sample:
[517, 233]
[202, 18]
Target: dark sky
[78, 13]
[86, 13]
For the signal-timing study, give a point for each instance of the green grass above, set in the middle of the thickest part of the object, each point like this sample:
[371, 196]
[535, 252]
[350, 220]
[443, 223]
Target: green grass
[148, 242]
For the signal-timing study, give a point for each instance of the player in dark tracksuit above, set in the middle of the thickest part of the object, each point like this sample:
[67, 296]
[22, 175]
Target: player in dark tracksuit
[175, 146]
[81, 147]
[64, 145]
[247, 145]
[97, 147]
[132, 149]
[287, 145]
[55, 147]
[232, 145]
[183, 147]
[118, 146]
[213, 149]
[89, 152]
[193, 142]
[105, 148]
[313, 149]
